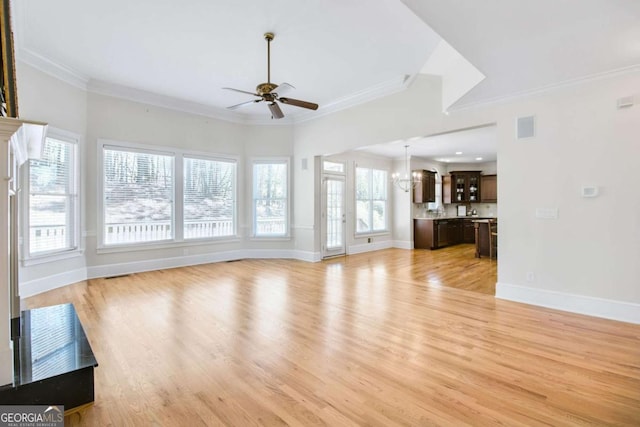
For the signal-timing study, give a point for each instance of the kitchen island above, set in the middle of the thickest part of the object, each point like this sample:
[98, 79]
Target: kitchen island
[482, 229]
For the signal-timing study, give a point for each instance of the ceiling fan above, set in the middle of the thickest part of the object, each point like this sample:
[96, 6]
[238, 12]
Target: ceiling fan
[267, 91]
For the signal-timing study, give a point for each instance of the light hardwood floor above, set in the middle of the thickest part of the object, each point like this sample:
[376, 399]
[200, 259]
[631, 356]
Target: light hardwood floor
[382, 338]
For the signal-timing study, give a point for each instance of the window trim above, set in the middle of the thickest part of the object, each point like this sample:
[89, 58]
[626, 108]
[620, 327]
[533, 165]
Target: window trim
[26, 258]
[369, 233]
[213, 158]
[179, 155]
[271, 160]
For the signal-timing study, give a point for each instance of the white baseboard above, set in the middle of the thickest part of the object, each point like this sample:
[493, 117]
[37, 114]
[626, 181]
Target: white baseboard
[43, 284]
[403, 244]
[307, 256]
[369, 247]
[591, 306]
[109, 270]
[48, 283]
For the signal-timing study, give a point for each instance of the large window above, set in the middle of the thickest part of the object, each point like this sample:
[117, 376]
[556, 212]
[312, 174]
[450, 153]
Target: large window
[371, 200]
[209, 198]
[138, 196]
[53, 199]
[270, 200]
[156, 196]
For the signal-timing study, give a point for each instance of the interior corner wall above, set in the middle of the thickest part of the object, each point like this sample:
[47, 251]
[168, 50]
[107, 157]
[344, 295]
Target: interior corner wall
[63, 106]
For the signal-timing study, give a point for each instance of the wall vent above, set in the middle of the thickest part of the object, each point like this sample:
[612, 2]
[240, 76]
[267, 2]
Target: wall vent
[625, 102]
[526, 127]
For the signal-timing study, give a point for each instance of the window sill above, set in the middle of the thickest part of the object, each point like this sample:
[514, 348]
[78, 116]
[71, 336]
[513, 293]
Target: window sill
[164, 245]
[270, 238]
[372, 234]
[52, 257]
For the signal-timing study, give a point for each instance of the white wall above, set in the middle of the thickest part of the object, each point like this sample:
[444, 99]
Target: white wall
[47, 99]
[593, 248]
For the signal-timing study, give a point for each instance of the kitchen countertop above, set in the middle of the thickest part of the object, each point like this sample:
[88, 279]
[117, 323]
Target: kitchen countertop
[456, 217]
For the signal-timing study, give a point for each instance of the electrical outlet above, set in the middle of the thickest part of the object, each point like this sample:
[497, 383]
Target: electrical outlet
[369, 240]
[530, 276]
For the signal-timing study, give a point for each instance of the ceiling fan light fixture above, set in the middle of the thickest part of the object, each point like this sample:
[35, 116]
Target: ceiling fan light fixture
[276, 112]
[267, 91]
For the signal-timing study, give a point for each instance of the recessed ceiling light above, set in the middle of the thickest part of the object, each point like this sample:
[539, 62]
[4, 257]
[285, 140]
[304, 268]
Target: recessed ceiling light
[458, 153]
[478, 158]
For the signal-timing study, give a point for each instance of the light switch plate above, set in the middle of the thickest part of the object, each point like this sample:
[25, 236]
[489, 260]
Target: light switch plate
[589, 191]
[547, 213]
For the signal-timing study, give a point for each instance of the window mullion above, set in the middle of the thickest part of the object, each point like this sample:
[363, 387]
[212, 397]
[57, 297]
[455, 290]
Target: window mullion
[178, 198]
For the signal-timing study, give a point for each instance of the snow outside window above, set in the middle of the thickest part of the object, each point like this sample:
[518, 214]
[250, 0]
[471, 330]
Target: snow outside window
[53, 198]
[138, 196]
[270, 198]
[371, 200]
[209, 198]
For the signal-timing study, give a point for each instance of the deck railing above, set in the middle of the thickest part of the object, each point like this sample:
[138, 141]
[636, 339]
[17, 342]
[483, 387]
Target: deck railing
[53, 236]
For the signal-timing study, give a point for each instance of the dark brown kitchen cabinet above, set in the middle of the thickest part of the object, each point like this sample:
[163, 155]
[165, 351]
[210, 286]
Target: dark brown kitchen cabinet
[442, 233]
[446, 189]
[424, 234]
[437, 233]
[425, 189]
[464, 187]
[489, 188]
[430, 233]
[468, 231]
[455, 231]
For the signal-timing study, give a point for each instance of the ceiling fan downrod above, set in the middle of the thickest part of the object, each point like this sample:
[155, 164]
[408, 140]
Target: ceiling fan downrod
[264, 89]
[268, 37]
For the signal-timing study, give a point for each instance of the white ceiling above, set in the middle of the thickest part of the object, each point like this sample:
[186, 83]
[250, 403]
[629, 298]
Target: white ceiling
[330, 51]
[336, 53]
[524, 45]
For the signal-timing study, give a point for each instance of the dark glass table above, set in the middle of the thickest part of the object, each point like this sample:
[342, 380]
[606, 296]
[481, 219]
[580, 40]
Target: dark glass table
[53, 360]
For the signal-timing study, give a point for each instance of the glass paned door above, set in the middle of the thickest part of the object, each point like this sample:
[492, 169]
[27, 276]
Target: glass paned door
[334, 216]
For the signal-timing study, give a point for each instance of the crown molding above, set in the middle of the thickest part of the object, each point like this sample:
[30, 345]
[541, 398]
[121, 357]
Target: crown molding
[546, 89]
[100, 87]
[379, 90]
[172, 103]
[52, 68]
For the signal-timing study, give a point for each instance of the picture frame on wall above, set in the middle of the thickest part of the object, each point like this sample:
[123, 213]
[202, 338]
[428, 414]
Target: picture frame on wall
[8, 88]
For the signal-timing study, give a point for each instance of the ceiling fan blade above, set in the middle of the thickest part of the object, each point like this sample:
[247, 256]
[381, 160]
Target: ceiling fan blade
[284, 87]
[242, 104]
[298, 103]
[276, 112]
[241, 91]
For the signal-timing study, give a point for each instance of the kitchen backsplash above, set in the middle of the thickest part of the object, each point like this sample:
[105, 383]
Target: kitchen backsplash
[483, 209]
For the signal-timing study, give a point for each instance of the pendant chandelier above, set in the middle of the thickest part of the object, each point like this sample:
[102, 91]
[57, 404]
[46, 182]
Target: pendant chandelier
[409, 179]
